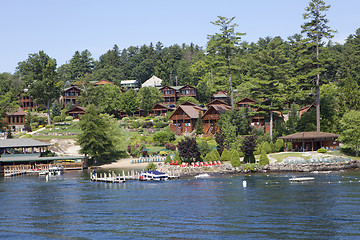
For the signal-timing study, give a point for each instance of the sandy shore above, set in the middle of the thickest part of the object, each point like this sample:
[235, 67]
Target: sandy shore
[124, 163]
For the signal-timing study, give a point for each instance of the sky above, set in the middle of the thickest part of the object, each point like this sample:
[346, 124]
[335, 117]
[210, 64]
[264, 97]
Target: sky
[61, 27]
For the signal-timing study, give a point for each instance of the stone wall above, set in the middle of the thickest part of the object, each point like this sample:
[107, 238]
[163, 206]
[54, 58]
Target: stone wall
[309, 167]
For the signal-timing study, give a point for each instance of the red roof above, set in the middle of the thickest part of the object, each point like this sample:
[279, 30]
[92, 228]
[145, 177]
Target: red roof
[102, 82]
[19, 112]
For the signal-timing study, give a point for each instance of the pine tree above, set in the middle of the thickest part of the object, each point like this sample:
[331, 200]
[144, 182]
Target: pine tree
[199, 125]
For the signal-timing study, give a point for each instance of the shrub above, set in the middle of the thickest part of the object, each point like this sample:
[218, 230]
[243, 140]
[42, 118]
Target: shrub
[288, 146]
[264, 160]
[266, 147]
[279, 145]
[56, 119]
[226, 155]
[168, 159]
[235, 159]
[69, 118]
[177, 157]
[151, 166]
[272, 146]
[321, 150]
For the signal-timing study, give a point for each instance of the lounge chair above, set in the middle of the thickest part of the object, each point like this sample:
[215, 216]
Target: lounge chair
[210, 163]
[177, 162]
[192, 164]
[206, 164]
[219, 162]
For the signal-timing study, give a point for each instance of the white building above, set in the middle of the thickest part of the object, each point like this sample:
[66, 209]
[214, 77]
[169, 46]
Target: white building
[152, 82]
[130, 84]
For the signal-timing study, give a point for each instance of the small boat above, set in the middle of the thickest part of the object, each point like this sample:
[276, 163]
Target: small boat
[153, 175]
[301, 179]
[204, 175]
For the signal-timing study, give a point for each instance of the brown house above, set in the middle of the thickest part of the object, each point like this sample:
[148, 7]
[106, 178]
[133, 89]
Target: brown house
[184, 118]
[212, 116]
[161, 109]
[306, 109]
[220, 95]
[171, 94]
[312, 141]
[246, 102]
[26, 102]
[16, 120]
[76, 112]
[70, 96]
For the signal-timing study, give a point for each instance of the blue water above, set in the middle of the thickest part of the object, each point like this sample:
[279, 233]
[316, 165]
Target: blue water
[72, 207]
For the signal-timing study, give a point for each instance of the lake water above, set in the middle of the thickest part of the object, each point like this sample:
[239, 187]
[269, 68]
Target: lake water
[270, 207]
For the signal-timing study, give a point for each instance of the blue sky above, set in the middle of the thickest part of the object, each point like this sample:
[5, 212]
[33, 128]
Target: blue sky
[61, 27]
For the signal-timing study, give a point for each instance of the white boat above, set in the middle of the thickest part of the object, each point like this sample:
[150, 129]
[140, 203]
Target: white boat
[301, 179]
[204, 175]
[153, 175]
[56, 170]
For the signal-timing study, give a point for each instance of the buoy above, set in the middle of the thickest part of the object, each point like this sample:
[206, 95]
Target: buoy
[244, 183]
[47, 177]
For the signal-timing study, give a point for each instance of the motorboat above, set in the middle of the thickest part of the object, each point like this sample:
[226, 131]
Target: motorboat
[56, 170]
[153, 175]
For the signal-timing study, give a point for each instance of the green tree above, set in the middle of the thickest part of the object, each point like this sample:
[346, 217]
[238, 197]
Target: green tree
[264, 160]
[225, 43]
[129, 102]
[199, 125]
[81, 64]
[6, 105]
[187, 99]
[317, 29]
[188, 150]
[248, 147]
[293, 119]
[350, 134]
[39, 73]
[148, 97]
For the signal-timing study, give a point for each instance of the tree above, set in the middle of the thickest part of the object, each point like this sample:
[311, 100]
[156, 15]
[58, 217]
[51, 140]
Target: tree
[97, 138]
[199, 125]
[129, 102]
[81, 64]
[187, 99]
[317, 29]
[293, 119]
[148, 97]
[225, 43]
[188, 150]
[264, 160]
[350, 134]
[39, 73]
[248, 147]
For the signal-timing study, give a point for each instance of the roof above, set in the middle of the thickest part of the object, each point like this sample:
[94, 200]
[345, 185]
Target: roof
[19, 112]
[190, 111]
[32, 158]
[188, 103]
[76, 107]
[21, 142]
[220, 108]
[246, 99]
[310, 135]
[152, 82]
[67, 89]
[102, 82]
[220, 95]
[216, 102]
[128, 81]
[162, 105]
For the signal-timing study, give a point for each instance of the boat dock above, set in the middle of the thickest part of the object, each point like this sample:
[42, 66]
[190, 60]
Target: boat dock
[301, 179]
[103, 177]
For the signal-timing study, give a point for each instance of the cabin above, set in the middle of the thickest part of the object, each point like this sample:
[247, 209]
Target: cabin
[76, 112]
[102, 82]
[220, 95]
[312, 141]
[70, 96]
[216, 102]
[160, 109]
[25, 101]
[212, 116]
[16, 120]
[186, 91]
[130, 84]
[152, 82]
[184, 118]
[246, 102]
[171, 94]
[306, 109]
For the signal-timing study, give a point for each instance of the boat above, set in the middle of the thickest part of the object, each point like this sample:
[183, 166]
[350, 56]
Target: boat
[56, 170]
[204, 175]
[301, 179]
[153, 175]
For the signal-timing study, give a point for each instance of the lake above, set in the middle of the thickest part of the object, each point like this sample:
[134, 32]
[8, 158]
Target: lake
[270, 207]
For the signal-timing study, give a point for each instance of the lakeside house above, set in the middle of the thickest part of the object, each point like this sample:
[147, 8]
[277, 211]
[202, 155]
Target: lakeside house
[25, 101]
[76, 112]
[160, 109]
[312, 141]
[70, 96]
[152, 82]
[220, 95]
[171, 94]
[16, 120]
[212, 115]
[130, 84]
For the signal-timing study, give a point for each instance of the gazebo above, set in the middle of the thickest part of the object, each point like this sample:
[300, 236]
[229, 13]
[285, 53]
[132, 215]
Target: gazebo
[312, 141]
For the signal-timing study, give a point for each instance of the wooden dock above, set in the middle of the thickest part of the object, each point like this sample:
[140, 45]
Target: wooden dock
[103, 177]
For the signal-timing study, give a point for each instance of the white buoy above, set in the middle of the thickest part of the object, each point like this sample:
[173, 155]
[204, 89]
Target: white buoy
[244, 183]
[47, 177]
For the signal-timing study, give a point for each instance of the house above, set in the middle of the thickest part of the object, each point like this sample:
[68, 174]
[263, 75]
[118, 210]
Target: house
[152, 82]
[76, 112]
[130, 84]
[16, 120]
[306, 109]
[216, 102]
[220, 95]
[257, 119]
[212, 116]
[312, 141]
[246, 102]
[171, 94]
[25, 101]
[160, 109]
[102, 82]
[184, 118]
[70, 96]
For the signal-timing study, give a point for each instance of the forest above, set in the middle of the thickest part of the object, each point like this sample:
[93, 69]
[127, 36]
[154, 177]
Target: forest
[281, 74]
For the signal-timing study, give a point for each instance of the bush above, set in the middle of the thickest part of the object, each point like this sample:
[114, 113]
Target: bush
[177, 157]
[56, 119]
[69, 118]
[266, 147]
[162, 137]
[235, 159]
[264, 160]
[226, 155]
[168, 159]
[151, 166]
[279, 145]
[135, 124]
[321, 150]
[288, 146]
[272, 146]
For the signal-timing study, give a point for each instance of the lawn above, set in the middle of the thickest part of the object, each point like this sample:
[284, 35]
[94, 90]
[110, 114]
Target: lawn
[281, 156]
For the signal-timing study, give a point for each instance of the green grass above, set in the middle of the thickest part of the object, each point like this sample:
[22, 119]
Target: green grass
[73, 128]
